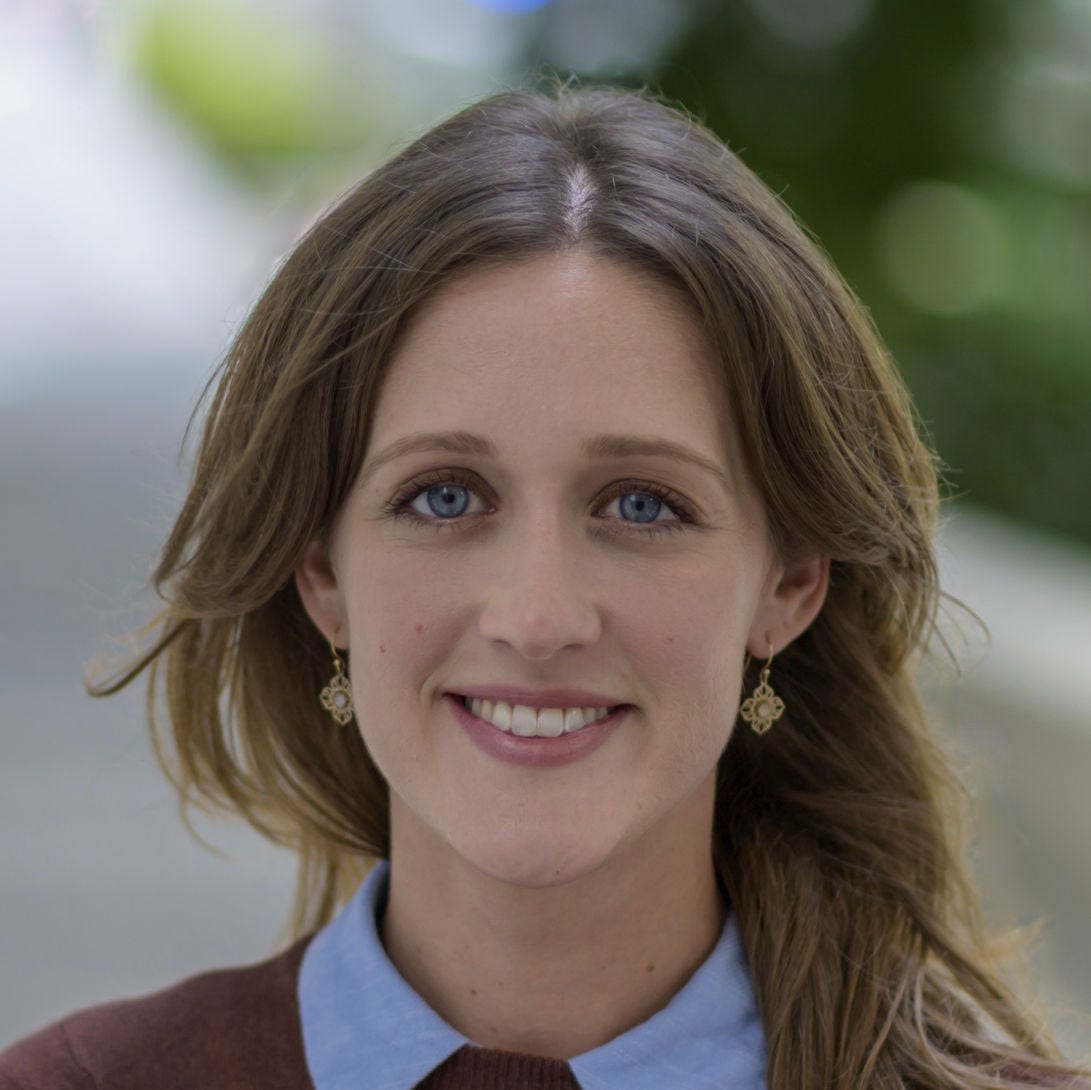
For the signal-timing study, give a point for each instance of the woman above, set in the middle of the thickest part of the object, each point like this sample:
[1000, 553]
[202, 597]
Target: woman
[558, 437]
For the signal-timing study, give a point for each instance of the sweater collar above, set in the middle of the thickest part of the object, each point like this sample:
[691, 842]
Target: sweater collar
[362, 1023]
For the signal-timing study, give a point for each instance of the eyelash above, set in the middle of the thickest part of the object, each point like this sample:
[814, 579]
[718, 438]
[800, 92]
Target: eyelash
[399, 506]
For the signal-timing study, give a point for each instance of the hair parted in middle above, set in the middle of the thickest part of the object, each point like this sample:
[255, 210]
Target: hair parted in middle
[833, 839]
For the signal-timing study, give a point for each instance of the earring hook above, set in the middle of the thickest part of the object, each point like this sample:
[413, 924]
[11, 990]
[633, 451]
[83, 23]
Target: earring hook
[768, 662]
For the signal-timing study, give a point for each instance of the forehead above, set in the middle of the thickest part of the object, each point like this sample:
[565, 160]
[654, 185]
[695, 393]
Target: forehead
[570, 338]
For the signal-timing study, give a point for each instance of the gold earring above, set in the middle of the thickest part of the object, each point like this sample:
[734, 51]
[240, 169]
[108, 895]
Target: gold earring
[337, 696]
[763, 707]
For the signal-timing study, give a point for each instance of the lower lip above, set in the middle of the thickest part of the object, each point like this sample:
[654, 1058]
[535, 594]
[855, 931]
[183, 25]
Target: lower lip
[536, 752]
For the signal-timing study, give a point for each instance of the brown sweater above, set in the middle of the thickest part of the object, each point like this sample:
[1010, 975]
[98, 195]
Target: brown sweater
[235, 1029]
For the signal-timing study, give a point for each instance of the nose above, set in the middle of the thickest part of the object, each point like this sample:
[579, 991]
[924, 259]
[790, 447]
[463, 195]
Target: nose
[536, 602]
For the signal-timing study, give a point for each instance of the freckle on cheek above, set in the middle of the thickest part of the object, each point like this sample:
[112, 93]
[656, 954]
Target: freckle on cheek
[382, 649]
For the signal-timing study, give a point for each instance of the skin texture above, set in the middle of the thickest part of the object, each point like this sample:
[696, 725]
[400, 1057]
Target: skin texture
[521, 906]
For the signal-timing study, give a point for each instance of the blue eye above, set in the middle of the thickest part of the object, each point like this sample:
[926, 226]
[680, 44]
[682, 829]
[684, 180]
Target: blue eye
[447, 500]
[647, 510]
[640, 506]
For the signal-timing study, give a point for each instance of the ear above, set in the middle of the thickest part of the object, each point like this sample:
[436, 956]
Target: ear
[318, 586]
[793, 595]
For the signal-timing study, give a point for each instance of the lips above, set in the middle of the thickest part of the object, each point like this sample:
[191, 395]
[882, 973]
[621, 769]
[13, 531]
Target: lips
[539, 752]
[528, 722]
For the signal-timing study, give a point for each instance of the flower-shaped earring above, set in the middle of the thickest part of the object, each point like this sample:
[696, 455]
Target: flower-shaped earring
[763, 707]
[337, 696]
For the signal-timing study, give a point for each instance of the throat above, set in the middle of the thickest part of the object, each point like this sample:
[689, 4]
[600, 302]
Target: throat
[574, 972]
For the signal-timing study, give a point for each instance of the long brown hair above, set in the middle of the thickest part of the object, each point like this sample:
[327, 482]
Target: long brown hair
[834, 835]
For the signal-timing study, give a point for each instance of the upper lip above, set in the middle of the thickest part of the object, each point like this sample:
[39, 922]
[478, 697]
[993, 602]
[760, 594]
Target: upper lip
[538, 698]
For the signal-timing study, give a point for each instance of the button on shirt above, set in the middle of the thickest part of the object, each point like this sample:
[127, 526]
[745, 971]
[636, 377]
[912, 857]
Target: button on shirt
[364, 1026]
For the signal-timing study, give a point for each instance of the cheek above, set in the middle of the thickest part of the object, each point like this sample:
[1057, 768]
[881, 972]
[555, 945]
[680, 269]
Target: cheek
[690, 626]
[400, 628]
[397, 607]
[686, 643]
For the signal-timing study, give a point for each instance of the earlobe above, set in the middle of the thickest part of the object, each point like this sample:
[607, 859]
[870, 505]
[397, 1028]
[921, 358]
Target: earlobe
[792, 602]
[320, 591]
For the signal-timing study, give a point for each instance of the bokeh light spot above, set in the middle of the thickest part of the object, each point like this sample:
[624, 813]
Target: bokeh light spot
[942, 247]
[813, 25]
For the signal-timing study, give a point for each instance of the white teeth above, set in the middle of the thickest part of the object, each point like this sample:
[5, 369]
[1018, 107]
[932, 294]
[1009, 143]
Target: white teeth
[528, 722]
[524, 721]
[498, 713]
[550, 722]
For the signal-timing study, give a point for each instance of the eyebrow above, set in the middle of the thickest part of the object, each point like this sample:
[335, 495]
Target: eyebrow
[601, 447]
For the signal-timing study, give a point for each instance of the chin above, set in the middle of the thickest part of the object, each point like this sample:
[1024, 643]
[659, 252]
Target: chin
[536, 861]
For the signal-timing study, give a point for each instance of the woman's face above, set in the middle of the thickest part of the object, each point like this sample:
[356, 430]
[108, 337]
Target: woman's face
[553, 499]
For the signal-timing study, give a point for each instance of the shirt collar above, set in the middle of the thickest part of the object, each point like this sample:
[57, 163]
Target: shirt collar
[361, 1019]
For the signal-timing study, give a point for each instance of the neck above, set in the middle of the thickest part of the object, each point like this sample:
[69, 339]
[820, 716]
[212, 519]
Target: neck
[552, 971]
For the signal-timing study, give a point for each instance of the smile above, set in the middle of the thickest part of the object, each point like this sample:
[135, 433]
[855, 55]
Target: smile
[527, 722]
[537, 750]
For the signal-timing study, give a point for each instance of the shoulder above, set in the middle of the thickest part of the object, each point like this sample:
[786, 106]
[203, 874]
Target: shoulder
[231, 1028]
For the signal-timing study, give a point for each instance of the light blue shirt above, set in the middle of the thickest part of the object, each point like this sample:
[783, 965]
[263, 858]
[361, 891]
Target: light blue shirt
[364, 1026]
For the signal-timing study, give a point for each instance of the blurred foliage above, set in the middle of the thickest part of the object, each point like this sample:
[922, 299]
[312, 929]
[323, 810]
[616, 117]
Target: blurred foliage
[260, 89]
[897, 130]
